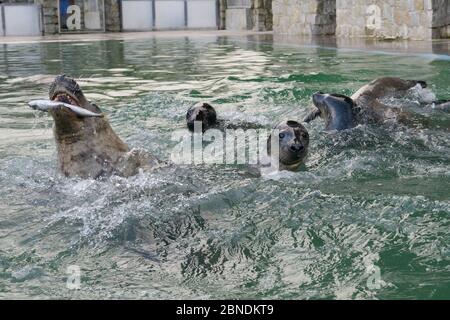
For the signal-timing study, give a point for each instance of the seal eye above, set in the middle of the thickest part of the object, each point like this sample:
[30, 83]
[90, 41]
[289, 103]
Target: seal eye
[281, 135]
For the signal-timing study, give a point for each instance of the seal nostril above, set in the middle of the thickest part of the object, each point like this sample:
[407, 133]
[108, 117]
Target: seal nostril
[296, 147]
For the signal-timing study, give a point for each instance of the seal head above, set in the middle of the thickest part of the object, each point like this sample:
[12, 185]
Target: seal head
[337, 110]
[202, 112]
[293, 144]
[65, 89]
[364, 106]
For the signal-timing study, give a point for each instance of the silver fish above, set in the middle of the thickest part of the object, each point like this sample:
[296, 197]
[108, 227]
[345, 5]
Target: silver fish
[45, 105]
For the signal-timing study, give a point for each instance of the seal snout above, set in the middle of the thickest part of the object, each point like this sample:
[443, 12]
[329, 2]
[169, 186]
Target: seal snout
[296, 147]
[318, 97]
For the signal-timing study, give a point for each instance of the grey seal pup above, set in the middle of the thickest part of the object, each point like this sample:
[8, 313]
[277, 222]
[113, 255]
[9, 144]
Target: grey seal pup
[293, 141]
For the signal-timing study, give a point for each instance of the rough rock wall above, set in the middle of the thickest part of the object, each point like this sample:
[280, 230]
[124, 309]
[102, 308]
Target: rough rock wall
[304, 17]
[112, 16]
[387, 19]
[50, 10]
[262, 15]
[248, 15]
[441, 18]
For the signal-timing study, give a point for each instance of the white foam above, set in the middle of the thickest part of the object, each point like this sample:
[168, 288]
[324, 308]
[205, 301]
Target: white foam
[423, 95]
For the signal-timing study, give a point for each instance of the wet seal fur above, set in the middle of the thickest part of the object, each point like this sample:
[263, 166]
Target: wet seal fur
[442, 105]
[202, 112]
[293, 144]
[341, 112]
[87, 146]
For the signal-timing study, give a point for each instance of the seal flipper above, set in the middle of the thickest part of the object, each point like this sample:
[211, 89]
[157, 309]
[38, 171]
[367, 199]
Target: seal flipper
[312, 115]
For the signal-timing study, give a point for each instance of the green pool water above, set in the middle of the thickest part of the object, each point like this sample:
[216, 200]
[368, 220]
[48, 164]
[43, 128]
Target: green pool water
[368, 217]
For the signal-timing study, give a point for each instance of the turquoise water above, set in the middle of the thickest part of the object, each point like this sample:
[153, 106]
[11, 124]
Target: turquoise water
[370, 204]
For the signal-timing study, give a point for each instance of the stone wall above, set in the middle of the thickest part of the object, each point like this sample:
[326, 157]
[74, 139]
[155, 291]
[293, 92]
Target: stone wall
[262, 15]
[112, 16]
[441, 19]
[387, 19]
[325, 23]
[50, 18]
[304, 17]
[238, 19]
[248, 15]
[222, 14]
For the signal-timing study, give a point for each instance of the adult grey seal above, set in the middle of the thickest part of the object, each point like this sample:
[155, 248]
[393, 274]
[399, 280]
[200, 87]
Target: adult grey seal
[86, 144]
[364, 106]
[293, 144]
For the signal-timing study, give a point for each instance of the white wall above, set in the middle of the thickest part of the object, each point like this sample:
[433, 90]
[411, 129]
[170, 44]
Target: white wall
[169, 14]
[137, 15]
[22, 20]
[202, 14]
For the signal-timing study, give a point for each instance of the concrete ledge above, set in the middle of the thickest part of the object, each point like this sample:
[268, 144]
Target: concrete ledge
[420, 47]
[132, 36]
[440, 47]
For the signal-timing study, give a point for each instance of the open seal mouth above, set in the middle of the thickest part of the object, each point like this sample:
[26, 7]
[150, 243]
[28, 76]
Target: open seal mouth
[65, 93]
[65, 98]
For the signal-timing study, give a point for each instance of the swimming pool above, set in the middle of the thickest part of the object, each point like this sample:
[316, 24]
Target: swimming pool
[368, 216]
